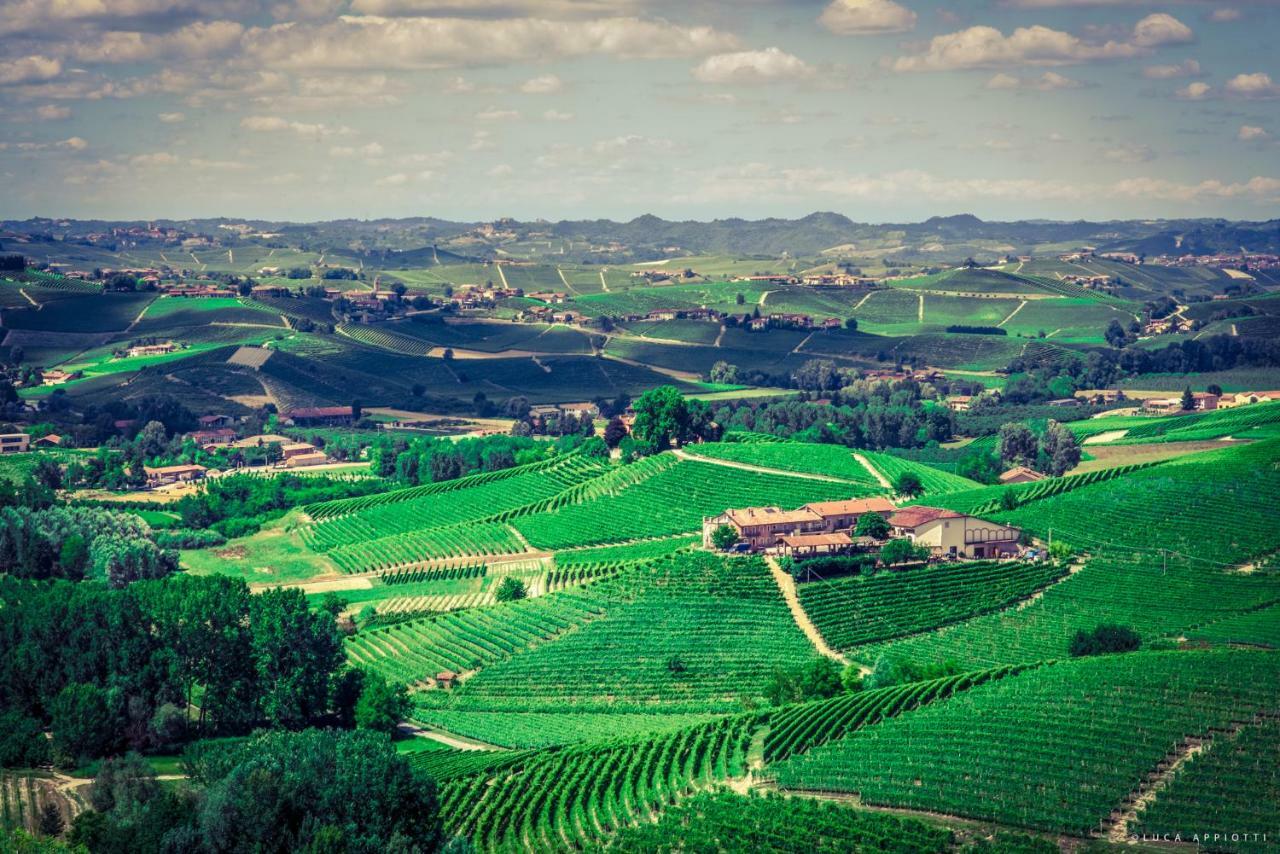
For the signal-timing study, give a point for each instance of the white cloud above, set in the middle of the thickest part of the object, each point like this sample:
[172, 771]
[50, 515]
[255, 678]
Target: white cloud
[29, 69]
[495, 114]
[547, 84]
[1257, 85]
[397, 179]
[72, 143]
[1187, 68]
[987, 47]
[1048, 82]
[276, 124]
[1194, 91]
[495, 8]
[1130, 153]
[52, 112]
[172, 118]
[1259, 188]
[372, 150]
[859, 17]
[752, 66]
[198, 40]
[502, 170]
[34, 15]
[556, 116]
[157, 158]
[355, 42]
[1161, 29]
[1225, 15]
[1252, 133]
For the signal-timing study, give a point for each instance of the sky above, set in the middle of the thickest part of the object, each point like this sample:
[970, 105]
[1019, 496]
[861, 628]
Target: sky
[883, 110]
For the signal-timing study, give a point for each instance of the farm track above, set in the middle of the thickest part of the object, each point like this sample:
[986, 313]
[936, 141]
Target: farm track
[1020, 307]
[880, 478]
[685, 455]
[787, 585]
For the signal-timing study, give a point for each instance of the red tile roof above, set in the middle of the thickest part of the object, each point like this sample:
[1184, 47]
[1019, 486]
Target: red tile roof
[914, 517]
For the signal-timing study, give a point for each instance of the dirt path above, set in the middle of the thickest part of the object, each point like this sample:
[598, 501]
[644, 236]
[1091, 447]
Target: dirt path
[685, 376]
[866, 464]
[787, 585]
[570, 288]
[603, 284]
[859, 303]
[764, 296]
[685, 455]
[920, 311]
[1157, 781]
[719, 337]
[796, 349]
[1020, 307]
[27, 297]
[1072, 569]
[455, 741]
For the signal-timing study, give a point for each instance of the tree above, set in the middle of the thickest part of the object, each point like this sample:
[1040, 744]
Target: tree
[724, 537]
[382, 704]
[872, 525]
[510, 590]
[676, 665]
[1008, 500]
[851, 323]
[817, 680]
[295, 652]
[902, 551]
[1017, 445]
[909, 484]
[614, 432]
[51, 822]
[1059, 449]
[1188, 400]
[83, 723]
[1103, 640]
[664, 418]
[739, 299]
[1115, 334]
[318, 791]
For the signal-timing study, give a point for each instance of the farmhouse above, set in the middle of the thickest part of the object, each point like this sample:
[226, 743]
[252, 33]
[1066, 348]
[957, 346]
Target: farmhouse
[1021, 474]
[14, 443]
[947, 533]
[1247, 398]
[151, 349]
[213, 438]
[959, 402]
[765, 527]
[297, 449]
[164, 475]
[314, 416]
[1200, 402]
[310, 458]
[813, 545]
[53, 440]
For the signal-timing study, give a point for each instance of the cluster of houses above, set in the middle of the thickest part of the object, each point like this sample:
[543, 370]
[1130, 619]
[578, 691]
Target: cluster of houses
[1203, 401]
[826, 528]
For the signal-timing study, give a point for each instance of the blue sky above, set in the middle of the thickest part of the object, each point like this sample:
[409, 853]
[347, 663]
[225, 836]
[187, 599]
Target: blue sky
[475, 109]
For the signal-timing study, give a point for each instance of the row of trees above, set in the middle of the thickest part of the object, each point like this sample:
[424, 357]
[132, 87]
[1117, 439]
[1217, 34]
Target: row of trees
[77, 542]
[1055, 451]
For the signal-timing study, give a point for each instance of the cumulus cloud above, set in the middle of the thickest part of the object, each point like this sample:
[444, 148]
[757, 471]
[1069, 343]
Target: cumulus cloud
[156, 158]
[1224, 15]
[1130, 153]
[987, 47]
[495, 8]
[1047, 82]
[860, 17]
[1195, 91]
[373, 149]
[1252, 133]
[29, 69]
[494, 114]
[72, 143]
[35, 15]
[557, 116]
[1161, 29]
[355, 42]
[172, 118]
[752, 66]
[1187, 68]
[547, 84]
[52, 112]
[194, 41]
[1257, 85]
[397, 179]
[276, 124]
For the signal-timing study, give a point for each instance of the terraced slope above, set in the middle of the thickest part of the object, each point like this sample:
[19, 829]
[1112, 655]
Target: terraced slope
[1059, 748]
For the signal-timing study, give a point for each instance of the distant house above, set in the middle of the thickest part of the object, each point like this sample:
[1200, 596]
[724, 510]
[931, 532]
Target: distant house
[165, 475]
[1065, 401]
[53, 440]
[813, 545]
[763, 528]
[316, 416]
[210, 421]
[1200, 401]
[14, 443]
[663, 314]
[213, 438]
[151, 349]
[758, 324]
[947, 533]
[296, 449]
[311, 458]
[1022, 474]
[590, 410]
[446, 679]
[959, 402]
[1247, 398]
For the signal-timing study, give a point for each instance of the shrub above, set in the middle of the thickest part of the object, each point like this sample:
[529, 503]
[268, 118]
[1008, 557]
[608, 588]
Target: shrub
[189, 538]
[1103, 640]
[510, 590]
[724, 537]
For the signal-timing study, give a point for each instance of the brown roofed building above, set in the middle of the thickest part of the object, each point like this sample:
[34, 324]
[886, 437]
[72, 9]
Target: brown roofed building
[164, 475]
[812, 545]
[322, 415]
[951, 534]
[1022, 474]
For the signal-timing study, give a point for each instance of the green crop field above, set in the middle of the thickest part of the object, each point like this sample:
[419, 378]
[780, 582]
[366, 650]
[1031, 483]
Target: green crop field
[827, 460]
